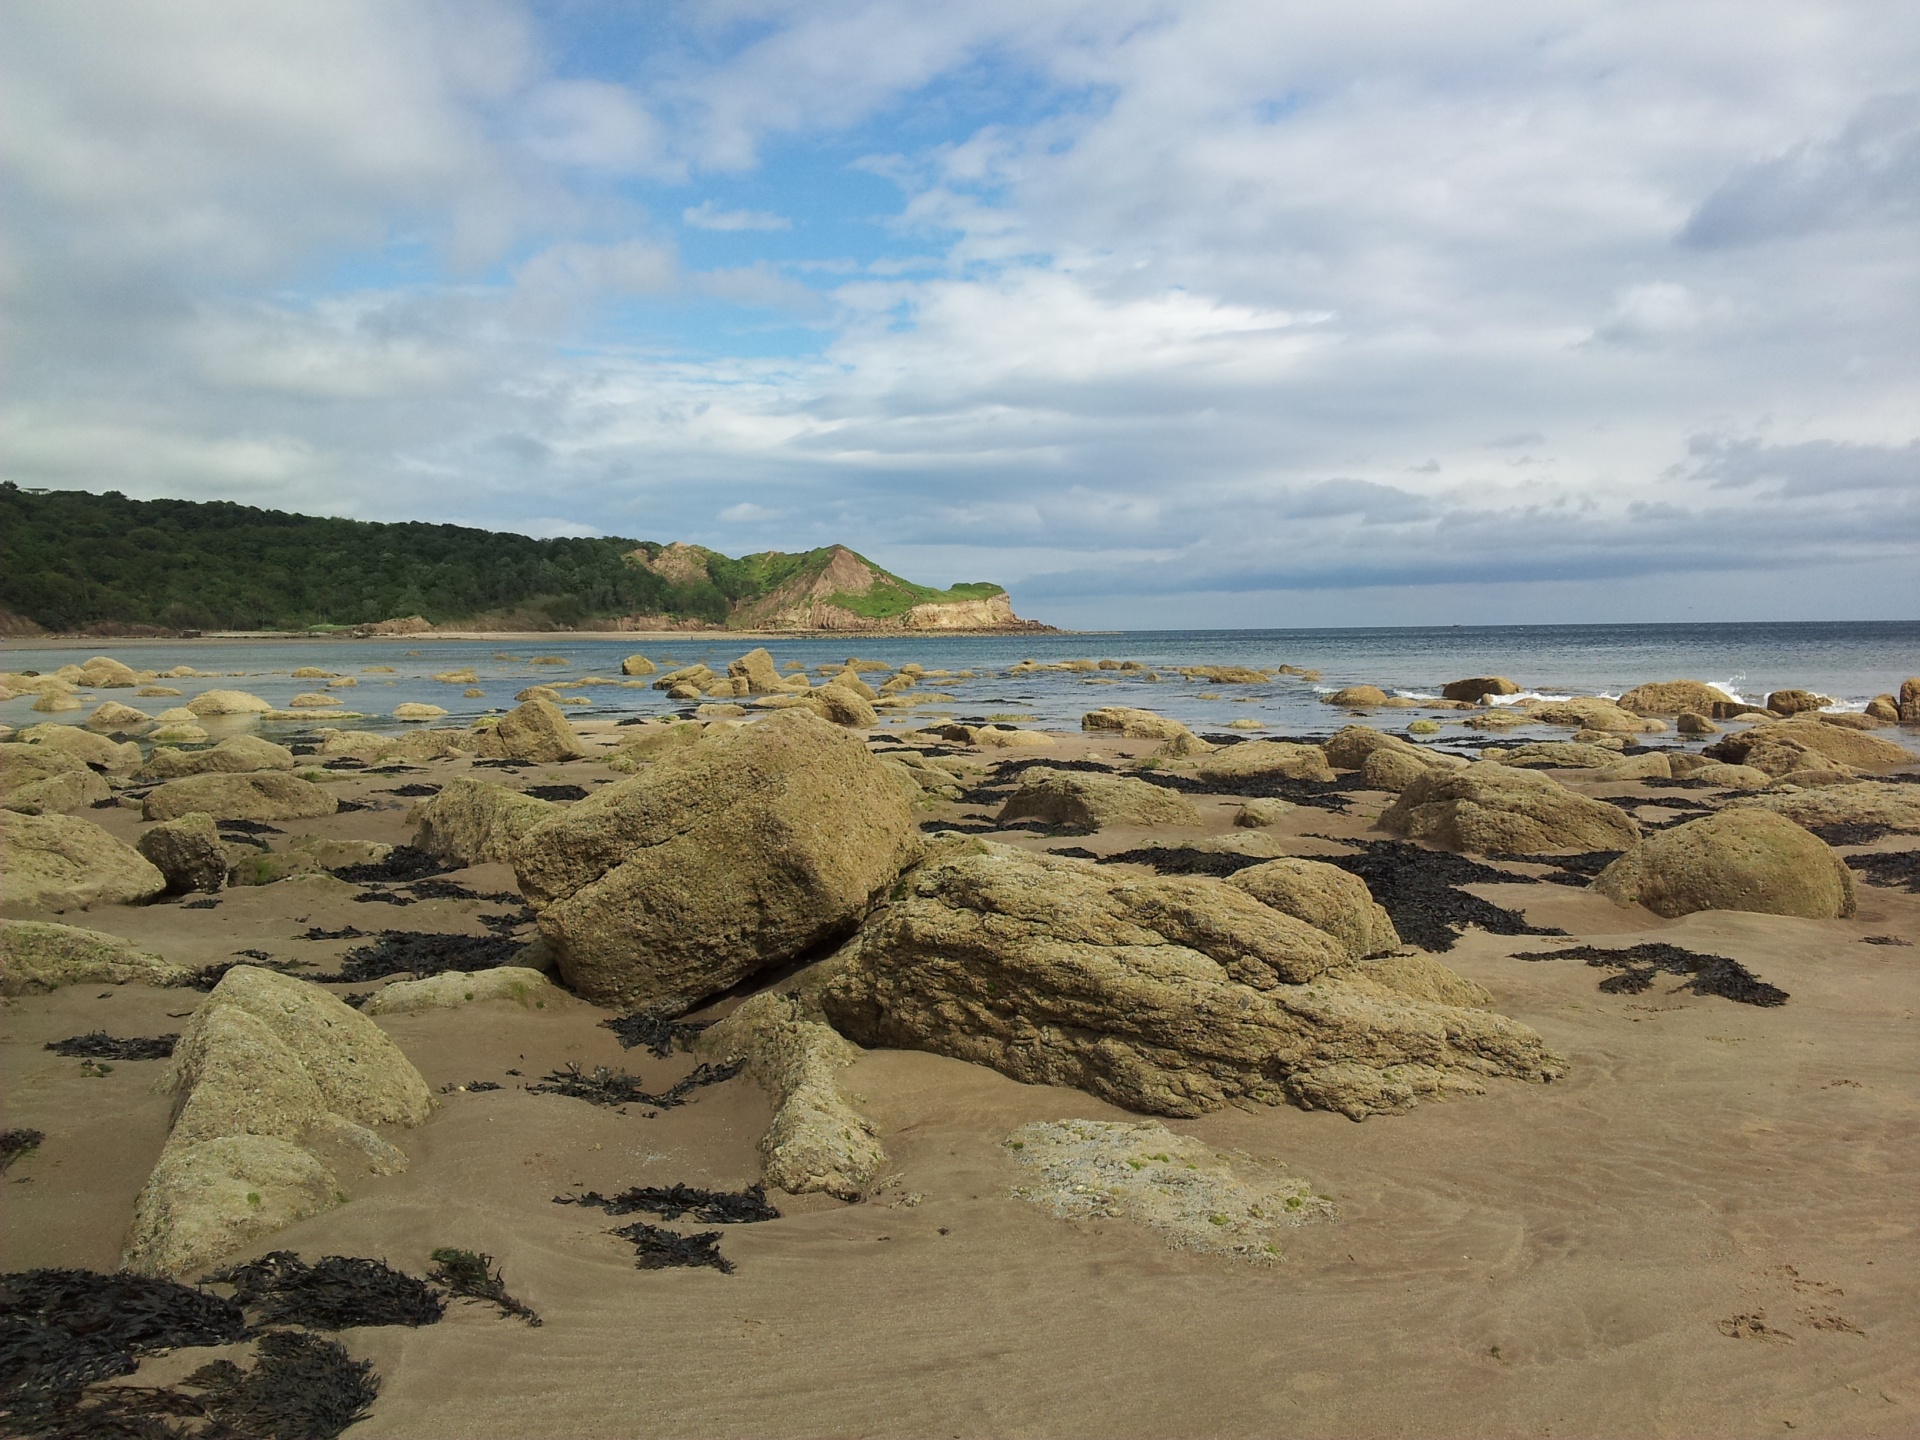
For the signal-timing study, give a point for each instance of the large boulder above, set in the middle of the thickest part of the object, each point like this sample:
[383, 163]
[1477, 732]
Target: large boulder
[60, 862]
[471, 822]
[1491, 808]
[227, 702]
[1559, 755]
[236, 755]
[115, 757]
[1168, 996]
[207, 1200]
[756, 667]
[1863, 802]
[1795, 702]
[1657, 766]
[718, 860]
[1088, 801]
[637, 665]
[36, 956]
[1348, 748]
[1356, 697]
[103, 672]
[1393, 769]
[1325, 897]
[1478, 688]
[265, 795]
[1771, 747]
[188, 851]
[112, 715]
[842, 705]
[1909, 705]
[1265, 757]
[525, 987]
[1738, 859]
[1592, 713]
[537, 731]
[1674, 697]
[39, 780]
[1132, 724]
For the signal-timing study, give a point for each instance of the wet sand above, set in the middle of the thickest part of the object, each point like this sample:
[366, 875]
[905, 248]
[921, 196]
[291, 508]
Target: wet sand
[1540, 1260]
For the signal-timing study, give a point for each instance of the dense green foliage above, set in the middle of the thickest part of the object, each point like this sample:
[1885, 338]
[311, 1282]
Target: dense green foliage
[71, 559]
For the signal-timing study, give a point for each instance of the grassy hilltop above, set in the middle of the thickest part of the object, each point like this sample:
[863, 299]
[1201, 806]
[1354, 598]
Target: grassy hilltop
[72, 560]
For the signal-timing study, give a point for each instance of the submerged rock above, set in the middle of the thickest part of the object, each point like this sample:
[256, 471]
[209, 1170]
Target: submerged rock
[1169, 996]
[1478, 688]
[717, 861]
[60, 862]
[1490, 808]
[1739, 859]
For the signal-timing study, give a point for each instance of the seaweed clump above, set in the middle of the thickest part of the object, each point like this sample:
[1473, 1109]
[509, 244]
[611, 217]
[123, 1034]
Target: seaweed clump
[671, 1202]
[472, 1276]
[1575, 870]
[407, 862]
[1895, 869]
[655, 1248]
[1636, 965]
[334, 1293]
[556, 792]
[423, 953]
[616, 1087]
[15, 1143]
[659, 1035]
[98, 1045]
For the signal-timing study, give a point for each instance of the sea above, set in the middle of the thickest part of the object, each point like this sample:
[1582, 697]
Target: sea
[1851, 662]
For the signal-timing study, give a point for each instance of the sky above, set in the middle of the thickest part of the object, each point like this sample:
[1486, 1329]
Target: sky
[1162, 314]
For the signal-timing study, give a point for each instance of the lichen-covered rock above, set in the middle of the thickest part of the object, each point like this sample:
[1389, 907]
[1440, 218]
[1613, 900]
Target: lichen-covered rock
[1728, 777]
[1863, 802]
[1560, 755]
[1089, 801]
[1489, 807]
[838, 703]
[1265, 757]
[61, 862]
[1771, 747]
[1132, 724]
[207, 1200]
[637, 665]
[103, 672]
[536, 731]
[716, 861]
[37, 956]
[188, 851]
[527, 988]
[1674, 697]
[816, 1142]
[227, 702]
[471, 822]
[1325, 897]
[1393, 769]
[263, 795]
[309, 855]
[42, 780]
[1738, 859]
[1158, 995]
[756, 667]
[997, 737]
[1348, 748]
[413, 712]
[1690, 723]
[1478, 688]
[1258, 814]
[1656, 766]
[115, 757]
[235, 755]
[1909, 703]
[1593, 713]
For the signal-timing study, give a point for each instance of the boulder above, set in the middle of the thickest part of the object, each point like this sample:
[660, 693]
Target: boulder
[236, 755]
[1265, 757]
[1131, 724]
[816, 1142]
[1674, 697]
[1592, 713]
[1168, 996]
[188, 851]
[105, 673]
[718, 860]
[1089, 801]
[1258, 814]
[1505, 718]
[1419, 976]
[309, 855]
[842, 705]
[1862, 802]
[1325, 897]
[1356, 697]
[1729, 777]
[1490, 808]
[1560, 755]
[1737, 859]
[1816, 775]
[849, 679]
[637, 665]
[1795, 702]
[528, 989]
[40, 780]
[60, 862]
[1772, 747]
[1656, 766]
[414, 711]
[177, 733]
[1689, 723]
[265, 795]
[207, 1200]
[997, 737]
[112, 715]
[1184, 747]
[36, 957]
[114, 757]
[1478, 688]
[56, 702]
[1909, 704]
[1392, 769]
[471, 822]
[227, 702]
[756, 667]
[537, 731]
[1348, 748]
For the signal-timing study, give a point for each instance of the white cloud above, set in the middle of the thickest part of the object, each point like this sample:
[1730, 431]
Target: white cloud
[707, 215]
[746, 513]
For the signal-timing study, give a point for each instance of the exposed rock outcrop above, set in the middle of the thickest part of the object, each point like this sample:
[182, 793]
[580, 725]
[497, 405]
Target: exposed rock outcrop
[60, 862]
[1771, 747]
[1088, 801]
[264, 795]
[236, 755]
[471, 822]
[36, 956]
[1738, 859]
[1132, 724]
[1488, 808]
[537, 731]
[1265, 757]
[1865, 802]
[1325, 897]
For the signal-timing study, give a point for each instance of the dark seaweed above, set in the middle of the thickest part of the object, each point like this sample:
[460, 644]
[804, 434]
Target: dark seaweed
[15, 1143]
[62, 1330]
[472, 1277]
[208, 976]
[616, 1087]
[404, 864]
[423, 953]
[251, 827]
[1636, 966]
[98, 1045]
[671, 1202]
[238, 837]
[557, 792]
[1172, 860]
[412, 791]
[259, 955]
[201, 905]
[344, 762]
[343, 806]
[1886, 940]
[503, 764]
[382, 897]
[659, 1035]
[658, 1249]
[476, 1086]
[507, 924]
[334, 1293]
[454, 890]
[1896, 869]
[1073, 852]
[1575, 870]
[345, 932]
[301, 1387]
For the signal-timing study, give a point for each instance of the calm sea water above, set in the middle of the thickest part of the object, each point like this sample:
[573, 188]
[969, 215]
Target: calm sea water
[1851, 662]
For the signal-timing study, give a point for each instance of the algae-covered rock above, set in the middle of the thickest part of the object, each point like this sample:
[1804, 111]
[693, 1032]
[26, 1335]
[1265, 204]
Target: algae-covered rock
[1860, 802]
[1089, 801]
[61, 862]
[40, 780]
[1159, 995]
[1349, 747]
[264, 795]
[1325, 897]
[416, 711]
[536, 731]
[188, 851]
[112, 715]
[1560, 755]
[1738, 859]
[756, 667]
[37, 956]
[1674, 697]
[637, 665]
[1132, 724]
[1356, 697]
[1265, 757]
[473, 823]
[1772, 747]
[115, 757]
[207, 1200]
[227, 702]
[716, 861]
[840, 704]
[816, 1142]
[529, 989]
[1656, 766]
[1489, 807]
[1478, 687]
[235, 755]
[1392, 769]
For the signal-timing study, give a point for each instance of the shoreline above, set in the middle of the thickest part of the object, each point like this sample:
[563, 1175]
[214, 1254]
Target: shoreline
[520, 637]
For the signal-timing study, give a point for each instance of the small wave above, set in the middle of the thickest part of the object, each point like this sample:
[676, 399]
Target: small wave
[1525, 695]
